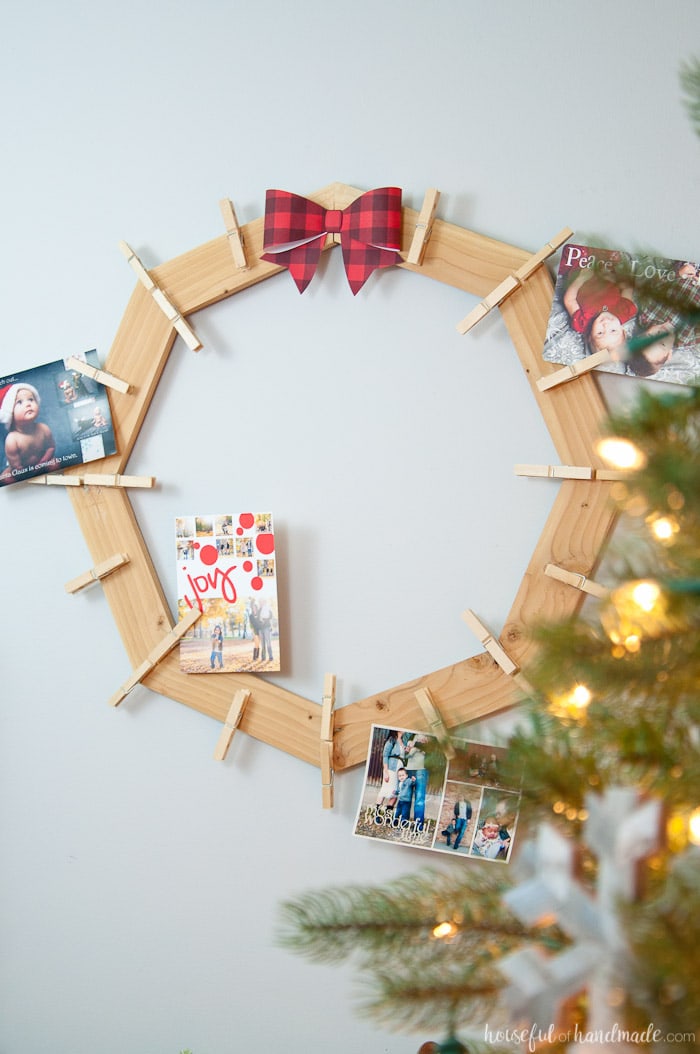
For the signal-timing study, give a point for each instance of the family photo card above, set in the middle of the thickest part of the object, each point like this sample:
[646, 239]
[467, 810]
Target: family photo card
[414, 795]
[609, 302]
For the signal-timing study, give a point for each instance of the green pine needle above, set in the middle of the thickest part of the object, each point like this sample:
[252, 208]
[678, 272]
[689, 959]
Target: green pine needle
[690, 82]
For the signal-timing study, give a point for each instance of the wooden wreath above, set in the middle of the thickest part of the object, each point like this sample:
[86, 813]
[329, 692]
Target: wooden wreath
[554, 584]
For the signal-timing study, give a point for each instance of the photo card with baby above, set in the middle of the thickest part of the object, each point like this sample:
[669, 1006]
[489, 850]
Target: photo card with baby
[639, 313]
[414, 795]
[226, 566]
[53, 416]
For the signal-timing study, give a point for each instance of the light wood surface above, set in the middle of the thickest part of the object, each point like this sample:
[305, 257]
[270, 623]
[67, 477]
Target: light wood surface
[579, 523]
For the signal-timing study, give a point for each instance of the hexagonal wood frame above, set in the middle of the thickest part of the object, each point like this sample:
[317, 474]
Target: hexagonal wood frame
[579, 523]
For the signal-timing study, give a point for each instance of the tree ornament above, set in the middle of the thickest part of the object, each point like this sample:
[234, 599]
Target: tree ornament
[451, 1045]
[620, 832]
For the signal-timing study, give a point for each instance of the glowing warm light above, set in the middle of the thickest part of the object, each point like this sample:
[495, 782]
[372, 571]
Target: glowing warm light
[694, 827]
[646, 595]
[580, 696]
[664, 528]
[620, 453]
[444, 929]
[572, 703]
[634, 611]
[676, 832]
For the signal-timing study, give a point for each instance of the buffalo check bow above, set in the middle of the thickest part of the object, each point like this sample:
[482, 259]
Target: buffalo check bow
[369, 229]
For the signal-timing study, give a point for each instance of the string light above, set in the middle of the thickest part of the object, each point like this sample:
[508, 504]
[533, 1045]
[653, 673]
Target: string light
[581, 696]
[634, 610]
[694, 827]
[620, 453]
[663, 528]
[444, 930]
[645, 594]
[682, 828]
[572, 703]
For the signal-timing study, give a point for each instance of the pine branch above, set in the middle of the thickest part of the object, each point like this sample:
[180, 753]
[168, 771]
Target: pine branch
[413, 978]
[465, 995]
[329, 925]
[664, 937]
[690, 82]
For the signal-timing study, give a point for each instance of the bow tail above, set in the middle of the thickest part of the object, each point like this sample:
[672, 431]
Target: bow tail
[361, 260]
[301, 261]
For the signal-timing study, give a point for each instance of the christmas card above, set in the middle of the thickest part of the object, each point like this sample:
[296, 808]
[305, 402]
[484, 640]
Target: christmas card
[414, 795]
[226, 567]
[615, 303]
[52, 417]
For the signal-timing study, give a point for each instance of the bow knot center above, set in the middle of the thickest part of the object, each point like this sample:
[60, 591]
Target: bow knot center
[334, 221]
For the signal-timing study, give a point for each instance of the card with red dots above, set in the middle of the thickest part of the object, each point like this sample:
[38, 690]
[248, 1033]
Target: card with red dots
[226, 567]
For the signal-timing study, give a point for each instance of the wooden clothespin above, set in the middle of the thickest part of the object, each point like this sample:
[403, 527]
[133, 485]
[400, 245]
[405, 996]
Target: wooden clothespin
[512, 282]
[571, 578]
[327, 712]
[95, 479]
[98, 572]
[495, 650]
[56, 479]
[159, 652]
[575, 369]
[436, 725]
[172, 314]
[485, 637]
[233, 719]
[570, 472]
[234, 234]
[92, 479]
[424, 227]
[88, 370]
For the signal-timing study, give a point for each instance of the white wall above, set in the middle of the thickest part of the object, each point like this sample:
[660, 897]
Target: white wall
[139, 880]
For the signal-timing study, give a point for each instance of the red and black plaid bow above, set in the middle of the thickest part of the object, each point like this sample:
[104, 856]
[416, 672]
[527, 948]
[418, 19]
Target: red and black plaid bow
[369, 229]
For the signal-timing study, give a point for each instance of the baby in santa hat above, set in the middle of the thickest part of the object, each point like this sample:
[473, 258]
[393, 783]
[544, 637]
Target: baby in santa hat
[29, 441]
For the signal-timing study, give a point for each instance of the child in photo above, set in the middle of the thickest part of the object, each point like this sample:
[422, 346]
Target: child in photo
[29, 441]
[599, 310]
[404, 793]
[491, 841]
[98, 418]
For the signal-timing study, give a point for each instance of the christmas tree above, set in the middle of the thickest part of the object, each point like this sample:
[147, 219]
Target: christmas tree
[592, 936]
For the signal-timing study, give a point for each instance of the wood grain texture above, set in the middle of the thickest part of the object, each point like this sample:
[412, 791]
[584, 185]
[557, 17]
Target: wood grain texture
[474, 687]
